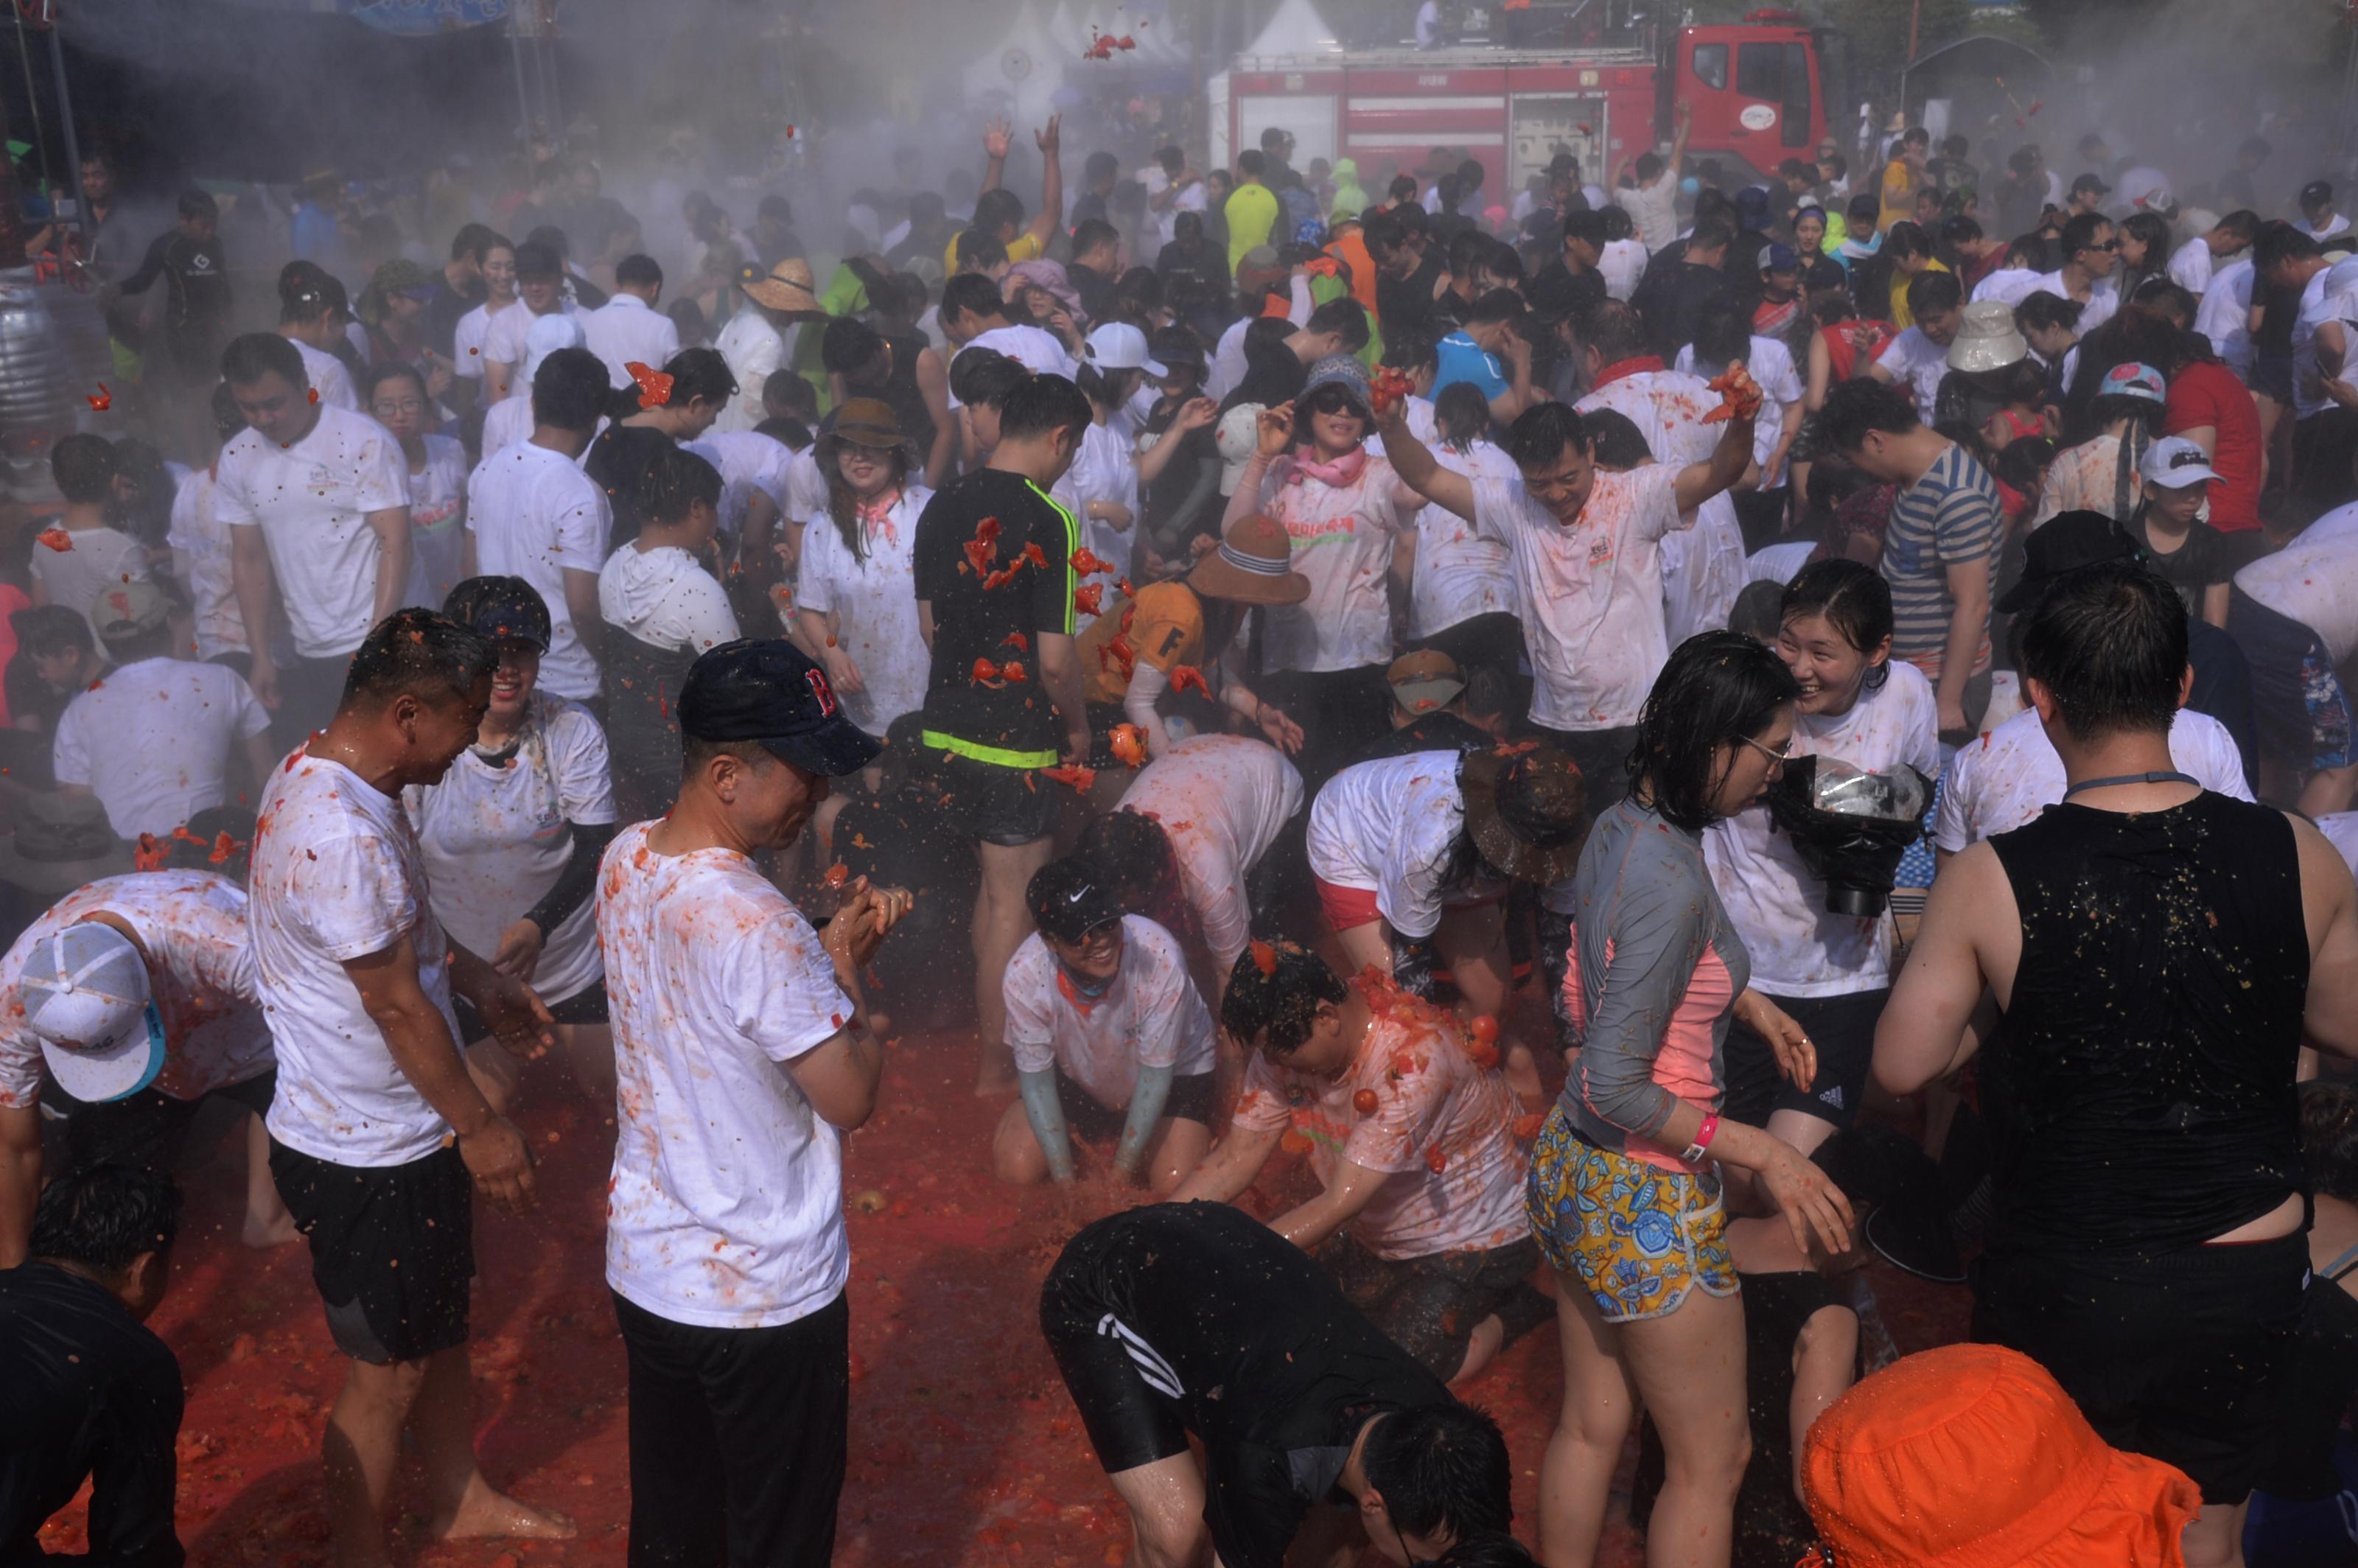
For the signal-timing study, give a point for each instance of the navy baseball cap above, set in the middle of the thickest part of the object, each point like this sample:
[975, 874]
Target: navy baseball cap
[1779, 258]
[768, 691]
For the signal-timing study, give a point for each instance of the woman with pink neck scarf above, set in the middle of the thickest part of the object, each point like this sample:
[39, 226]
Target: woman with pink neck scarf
[1323, 661]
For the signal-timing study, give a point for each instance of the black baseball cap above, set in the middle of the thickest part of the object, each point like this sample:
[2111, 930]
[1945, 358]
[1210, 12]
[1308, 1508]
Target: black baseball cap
[2063, 543]
[1068, 899]
[2091, 182]
[2316, 194]
[768, 691]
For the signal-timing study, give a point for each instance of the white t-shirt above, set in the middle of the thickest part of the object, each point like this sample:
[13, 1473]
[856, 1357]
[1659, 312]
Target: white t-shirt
[874, 603]
[495, 840]
[806, 488]
[537, 515]
[1104, 468]
[2314, 580]
[2007, 285]
[473, 332]
[1590, 596]
[1192, 198]
[666, 598]
[200, 968]
[2104, 300]
[1389, 828]
[93, 560]
[311, 500]
[2190, 265]
[1222, 801]
[1915, 362]
[1342, 538]
[1778, 563]
[1459, 574]
[1798, 949]
[504, 340]
[337, 874]
[2341, 830]
[1702, 571]
[1151, 1016]
[755, 351]
[328, 375]
[1653, 209]
[153, 739]
[2324, 299]
[1623, 264]
[626, 329]
[1770, 364]
[726, 1206]
[1430, 1099]
[2013, 774]
[200, 541]
[2225, 315]
[748, 461]
[438, 497]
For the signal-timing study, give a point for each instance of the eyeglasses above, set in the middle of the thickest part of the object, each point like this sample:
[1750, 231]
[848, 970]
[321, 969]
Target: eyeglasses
[406, 405]
[1783, 754]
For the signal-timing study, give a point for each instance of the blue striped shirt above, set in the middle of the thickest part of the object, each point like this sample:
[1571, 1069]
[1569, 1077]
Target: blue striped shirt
[1949, 517]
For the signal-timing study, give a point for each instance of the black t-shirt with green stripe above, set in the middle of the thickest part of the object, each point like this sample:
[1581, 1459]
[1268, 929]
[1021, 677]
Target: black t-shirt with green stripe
[1010, 722]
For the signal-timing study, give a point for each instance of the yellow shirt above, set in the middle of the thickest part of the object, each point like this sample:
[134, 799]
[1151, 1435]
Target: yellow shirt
[1897, 195]
[1166, 630]
[1024, 246]
[1901, 317]
[1251, 214]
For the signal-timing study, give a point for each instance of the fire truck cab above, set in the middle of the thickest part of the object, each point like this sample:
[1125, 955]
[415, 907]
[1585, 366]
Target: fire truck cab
[1514, 88]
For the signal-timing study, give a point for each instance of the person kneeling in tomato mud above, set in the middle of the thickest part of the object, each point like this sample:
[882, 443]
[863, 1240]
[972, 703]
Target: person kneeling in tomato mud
[1320, 1435]
[1109, 1037]
[1410, 1128]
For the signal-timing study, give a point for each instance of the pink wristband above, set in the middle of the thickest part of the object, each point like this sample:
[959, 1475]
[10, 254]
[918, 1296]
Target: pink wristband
[1707, 1131]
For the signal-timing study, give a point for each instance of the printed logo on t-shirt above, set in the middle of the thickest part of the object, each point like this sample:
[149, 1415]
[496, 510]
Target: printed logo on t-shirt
[1600, 552]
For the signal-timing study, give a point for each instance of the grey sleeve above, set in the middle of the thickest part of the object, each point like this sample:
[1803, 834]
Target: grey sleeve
[1652, 922]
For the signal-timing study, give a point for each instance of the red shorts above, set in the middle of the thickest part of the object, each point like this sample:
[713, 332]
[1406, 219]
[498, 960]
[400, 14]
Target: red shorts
[1349, 908]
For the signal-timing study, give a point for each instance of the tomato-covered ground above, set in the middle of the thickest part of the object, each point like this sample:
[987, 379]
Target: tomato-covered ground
[963, 1447]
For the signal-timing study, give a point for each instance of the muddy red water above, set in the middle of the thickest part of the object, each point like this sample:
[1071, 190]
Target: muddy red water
[963, 1447]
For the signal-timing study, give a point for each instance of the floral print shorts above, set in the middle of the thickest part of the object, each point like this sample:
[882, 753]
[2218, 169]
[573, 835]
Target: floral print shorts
[1639, 1236]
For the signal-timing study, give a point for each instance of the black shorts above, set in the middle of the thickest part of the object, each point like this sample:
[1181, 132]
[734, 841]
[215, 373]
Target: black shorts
[1430, 1306]
[1127, 1395]
[393, 1248]
[148, 1130]
[1192, 1100]
[1843, 1030]
[2184, 1358]
[2271, 376]
[994, 804]
[585, 1006]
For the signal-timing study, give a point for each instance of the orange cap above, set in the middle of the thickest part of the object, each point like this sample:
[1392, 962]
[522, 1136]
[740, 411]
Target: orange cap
[1974, 1456]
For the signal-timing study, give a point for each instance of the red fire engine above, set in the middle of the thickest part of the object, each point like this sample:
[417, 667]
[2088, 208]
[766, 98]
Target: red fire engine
[1603, 93]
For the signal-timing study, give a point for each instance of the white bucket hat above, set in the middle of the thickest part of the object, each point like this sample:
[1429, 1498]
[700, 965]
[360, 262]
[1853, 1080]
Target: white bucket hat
[87, 1001]
[1986, 338]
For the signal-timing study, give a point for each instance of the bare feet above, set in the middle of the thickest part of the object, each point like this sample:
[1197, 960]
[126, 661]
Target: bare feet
[279, 1232]
[483, 1512]
[1482, 1347]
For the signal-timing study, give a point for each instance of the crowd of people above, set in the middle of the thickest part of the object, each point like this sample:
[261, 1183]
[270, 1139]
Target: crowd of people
[1656, 744]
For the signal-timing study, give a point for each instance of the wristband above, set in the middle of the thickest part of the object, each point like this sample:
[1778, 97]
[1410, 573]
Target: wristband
[1694, 1152]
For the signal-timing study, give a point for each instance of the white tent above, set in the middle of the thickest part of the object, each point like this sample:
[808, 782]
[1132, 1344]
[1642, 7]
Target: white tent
[1296, 29]
[1027, 68]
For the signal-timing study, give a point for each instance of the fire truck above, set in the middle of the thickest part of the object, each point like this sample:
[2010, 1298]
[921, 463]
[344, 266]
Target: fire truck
[1515, 87]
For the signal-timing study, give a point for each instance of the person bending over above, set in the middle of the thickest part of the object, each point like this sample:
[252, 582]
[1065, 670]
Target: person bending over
[1319, 1434]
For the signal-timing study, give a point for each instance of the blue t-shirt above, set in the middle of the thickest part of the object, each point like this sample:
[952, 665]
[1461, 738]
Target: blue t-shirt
[1462, 359]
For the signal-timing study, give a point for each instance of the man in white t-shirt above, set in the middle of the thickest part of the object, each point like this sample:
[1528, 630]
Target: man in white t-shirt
[2224, 318]
[378, 1136]
[1172, 187]
[83, 552]
[316, 502]
[1652, 200]
[2295, 615]
[155, 741]
[137, 993]
[540, 291]
[629, 326]
[975, 317]
[1585, 547]
[533, 514]
[1918, 358]
[2092, 260]
[743, 1057]
[1409, 1129]
[1110, 1038]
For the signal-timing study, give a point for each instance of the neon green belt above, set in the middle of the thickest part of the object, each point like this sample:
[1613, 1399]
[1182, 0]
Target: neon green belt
[999, 756]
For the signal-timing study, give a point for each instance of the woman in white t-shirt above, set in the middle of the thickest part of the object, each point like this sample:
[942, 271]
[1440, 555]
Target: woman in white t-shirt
[1461, 588]
[1342, 507]
[511, 838]
[1830, 972]
[1102, 487]
[856, 595]
[437, 480]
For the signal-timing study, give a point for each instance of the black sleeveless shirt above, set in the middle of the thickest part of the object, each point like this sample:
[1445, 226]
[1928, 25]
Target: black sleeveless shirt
[2139, 1091]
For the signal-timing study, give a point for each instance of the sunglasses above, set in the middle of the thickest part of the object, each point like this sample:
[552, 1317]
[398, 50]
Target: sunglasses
[2107, 245]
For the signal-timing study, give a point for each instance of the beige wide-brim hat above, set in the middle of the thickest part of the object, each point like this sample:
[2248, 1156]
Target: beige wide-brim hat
[1254, 565]
[1987, 338]
[790, 287]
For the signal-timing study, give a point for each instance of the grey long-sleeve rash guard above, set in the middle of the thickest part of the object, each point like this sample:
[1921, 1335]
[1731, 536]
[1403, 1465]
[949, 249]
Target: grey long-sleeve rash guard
[1652, 941]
